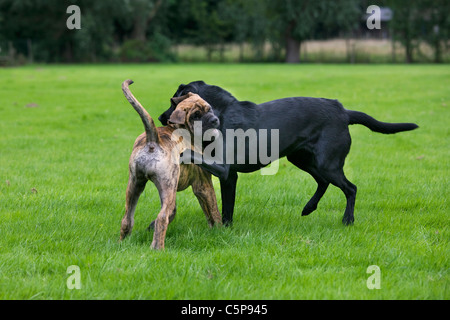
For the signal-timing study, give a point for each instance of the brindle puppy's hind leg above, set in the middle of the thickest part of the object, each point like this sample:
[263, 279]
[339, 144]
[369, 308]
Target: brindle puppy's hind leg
[151, 226]
[166, 183]
[134, 190]
[168, 198]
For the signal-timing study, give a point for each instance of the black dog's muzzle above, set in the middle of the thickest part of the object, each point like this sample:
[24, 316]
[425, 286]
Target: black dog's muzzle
[211, 121]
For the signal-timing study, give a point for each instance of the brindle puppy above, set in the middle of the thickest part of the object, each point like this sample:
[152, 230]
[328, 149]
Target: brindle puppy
[156, 157]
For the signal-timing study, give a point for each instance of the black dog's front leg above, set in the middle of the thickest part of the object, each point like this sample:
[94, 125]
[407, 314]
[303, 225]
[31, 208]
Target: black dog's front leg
[219, 170]
[228, 180]
[228, 192]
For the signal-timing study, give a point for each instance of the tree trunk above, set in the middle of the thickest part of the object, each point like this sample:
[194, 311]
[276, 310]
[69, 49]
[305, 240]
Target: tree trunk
[350, 45]
[241, 52]
[394, 59]
[140, 28]
[30, 51]
[142, 21]
[292, 51]
[292, 47]
[437, 51]
[409, 51]
[209, 52]
[11, 51]
[68, 52]
[409, 36]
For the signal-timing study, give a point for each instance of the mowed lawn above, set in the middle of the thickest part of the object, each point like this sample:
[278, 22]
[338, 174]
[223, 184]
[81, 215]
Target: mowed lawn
[66, 133]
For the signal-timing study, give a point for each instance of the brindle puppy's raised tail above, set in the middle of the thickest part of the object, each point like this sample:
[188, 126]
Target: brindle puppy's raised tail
[149, 125]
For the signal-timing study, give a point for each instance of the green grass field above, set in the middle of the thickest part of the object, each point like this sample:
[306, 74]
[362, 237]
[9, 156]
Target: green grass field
[66, 133]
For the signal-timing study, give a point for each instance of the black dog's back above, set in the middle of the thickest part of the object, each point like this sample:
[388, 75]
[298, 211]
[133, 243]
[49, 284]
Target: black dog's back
[301, 121]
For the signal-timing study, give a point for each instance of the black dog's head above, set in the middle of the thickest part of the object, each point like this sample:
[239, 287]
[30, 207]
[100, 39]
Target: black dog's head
[218, 98]
[182, 90]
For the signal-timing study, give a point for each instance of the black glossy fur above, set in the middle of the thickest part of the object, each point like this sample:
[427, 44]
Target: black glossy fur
[313, 135]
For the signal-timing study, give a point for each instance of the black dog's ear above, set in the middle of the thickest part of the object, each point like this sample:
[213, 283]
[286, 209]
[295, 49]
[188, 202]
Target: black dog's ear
[180, 89]
[165, 116]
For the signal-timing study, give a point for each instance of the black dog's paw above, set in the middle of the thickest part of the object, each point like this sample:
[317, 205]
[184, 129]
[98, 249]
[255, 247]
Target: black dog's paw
[348, 221]
[308, 209]
[227, 223]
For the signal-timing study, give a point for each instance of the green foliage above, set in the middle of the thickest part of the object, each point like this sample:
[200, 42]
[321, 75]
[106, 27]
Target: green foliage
[300, 20]
[111, 29]
[135, 51]
[417, 20]
[157, 49]
[105, 25]
[436, 29]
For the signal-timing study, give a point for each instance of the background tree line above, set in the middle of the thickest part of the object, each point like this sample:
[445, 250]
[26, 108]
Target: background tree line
[147, 30]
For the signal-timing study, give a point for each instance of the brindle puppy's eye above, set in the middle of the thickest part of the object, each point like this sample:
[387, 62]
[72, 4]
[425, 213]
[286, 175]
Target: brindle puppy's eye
[196, 115]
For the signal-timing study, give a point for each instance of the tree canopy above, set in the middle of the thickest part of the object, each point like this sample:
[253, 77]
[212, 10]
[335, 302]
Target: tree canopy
[146, 30]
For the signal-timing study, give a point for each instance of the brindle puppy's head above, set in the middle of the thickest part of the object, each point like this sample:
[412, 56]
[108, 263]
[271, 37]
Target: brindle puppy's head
[189, 109]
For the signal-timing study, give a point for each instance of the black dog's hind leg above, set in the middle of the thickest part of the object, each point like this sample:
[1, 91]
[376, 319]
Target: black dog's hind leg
[338, 179]
[326, 166]
[330, 164]
[305, 161]
[322, 186]
[228, 193]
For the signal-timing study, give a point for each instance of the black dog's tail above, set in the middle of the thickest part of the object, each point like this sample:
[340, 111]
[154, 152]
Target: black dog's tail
[149, 125]
[356, 117]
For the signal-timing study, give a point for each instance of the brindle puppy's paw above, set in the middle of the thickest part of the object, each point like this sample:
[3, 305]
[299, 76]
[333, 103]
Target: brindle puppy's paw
[151, 226]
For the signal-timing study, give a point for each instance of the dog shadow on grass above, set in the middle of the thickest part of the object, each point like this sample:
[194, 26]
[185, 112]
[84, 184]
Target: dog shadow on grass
[193, 234]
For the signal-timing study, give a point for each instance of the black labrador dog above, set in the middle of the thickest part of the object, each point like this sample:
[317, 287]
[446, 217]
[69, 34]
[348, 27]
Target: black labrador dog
[313, 135]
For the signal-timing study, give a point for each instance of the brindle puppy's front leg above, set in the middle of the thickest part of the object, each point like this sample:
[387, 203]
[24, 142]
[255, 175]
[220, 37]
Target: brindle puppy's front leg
[204, 191]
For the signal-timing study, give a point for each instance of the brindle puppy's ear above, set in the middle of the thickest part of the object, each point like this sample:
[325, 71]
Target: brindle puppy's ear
[178, 117]
[176, 100]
